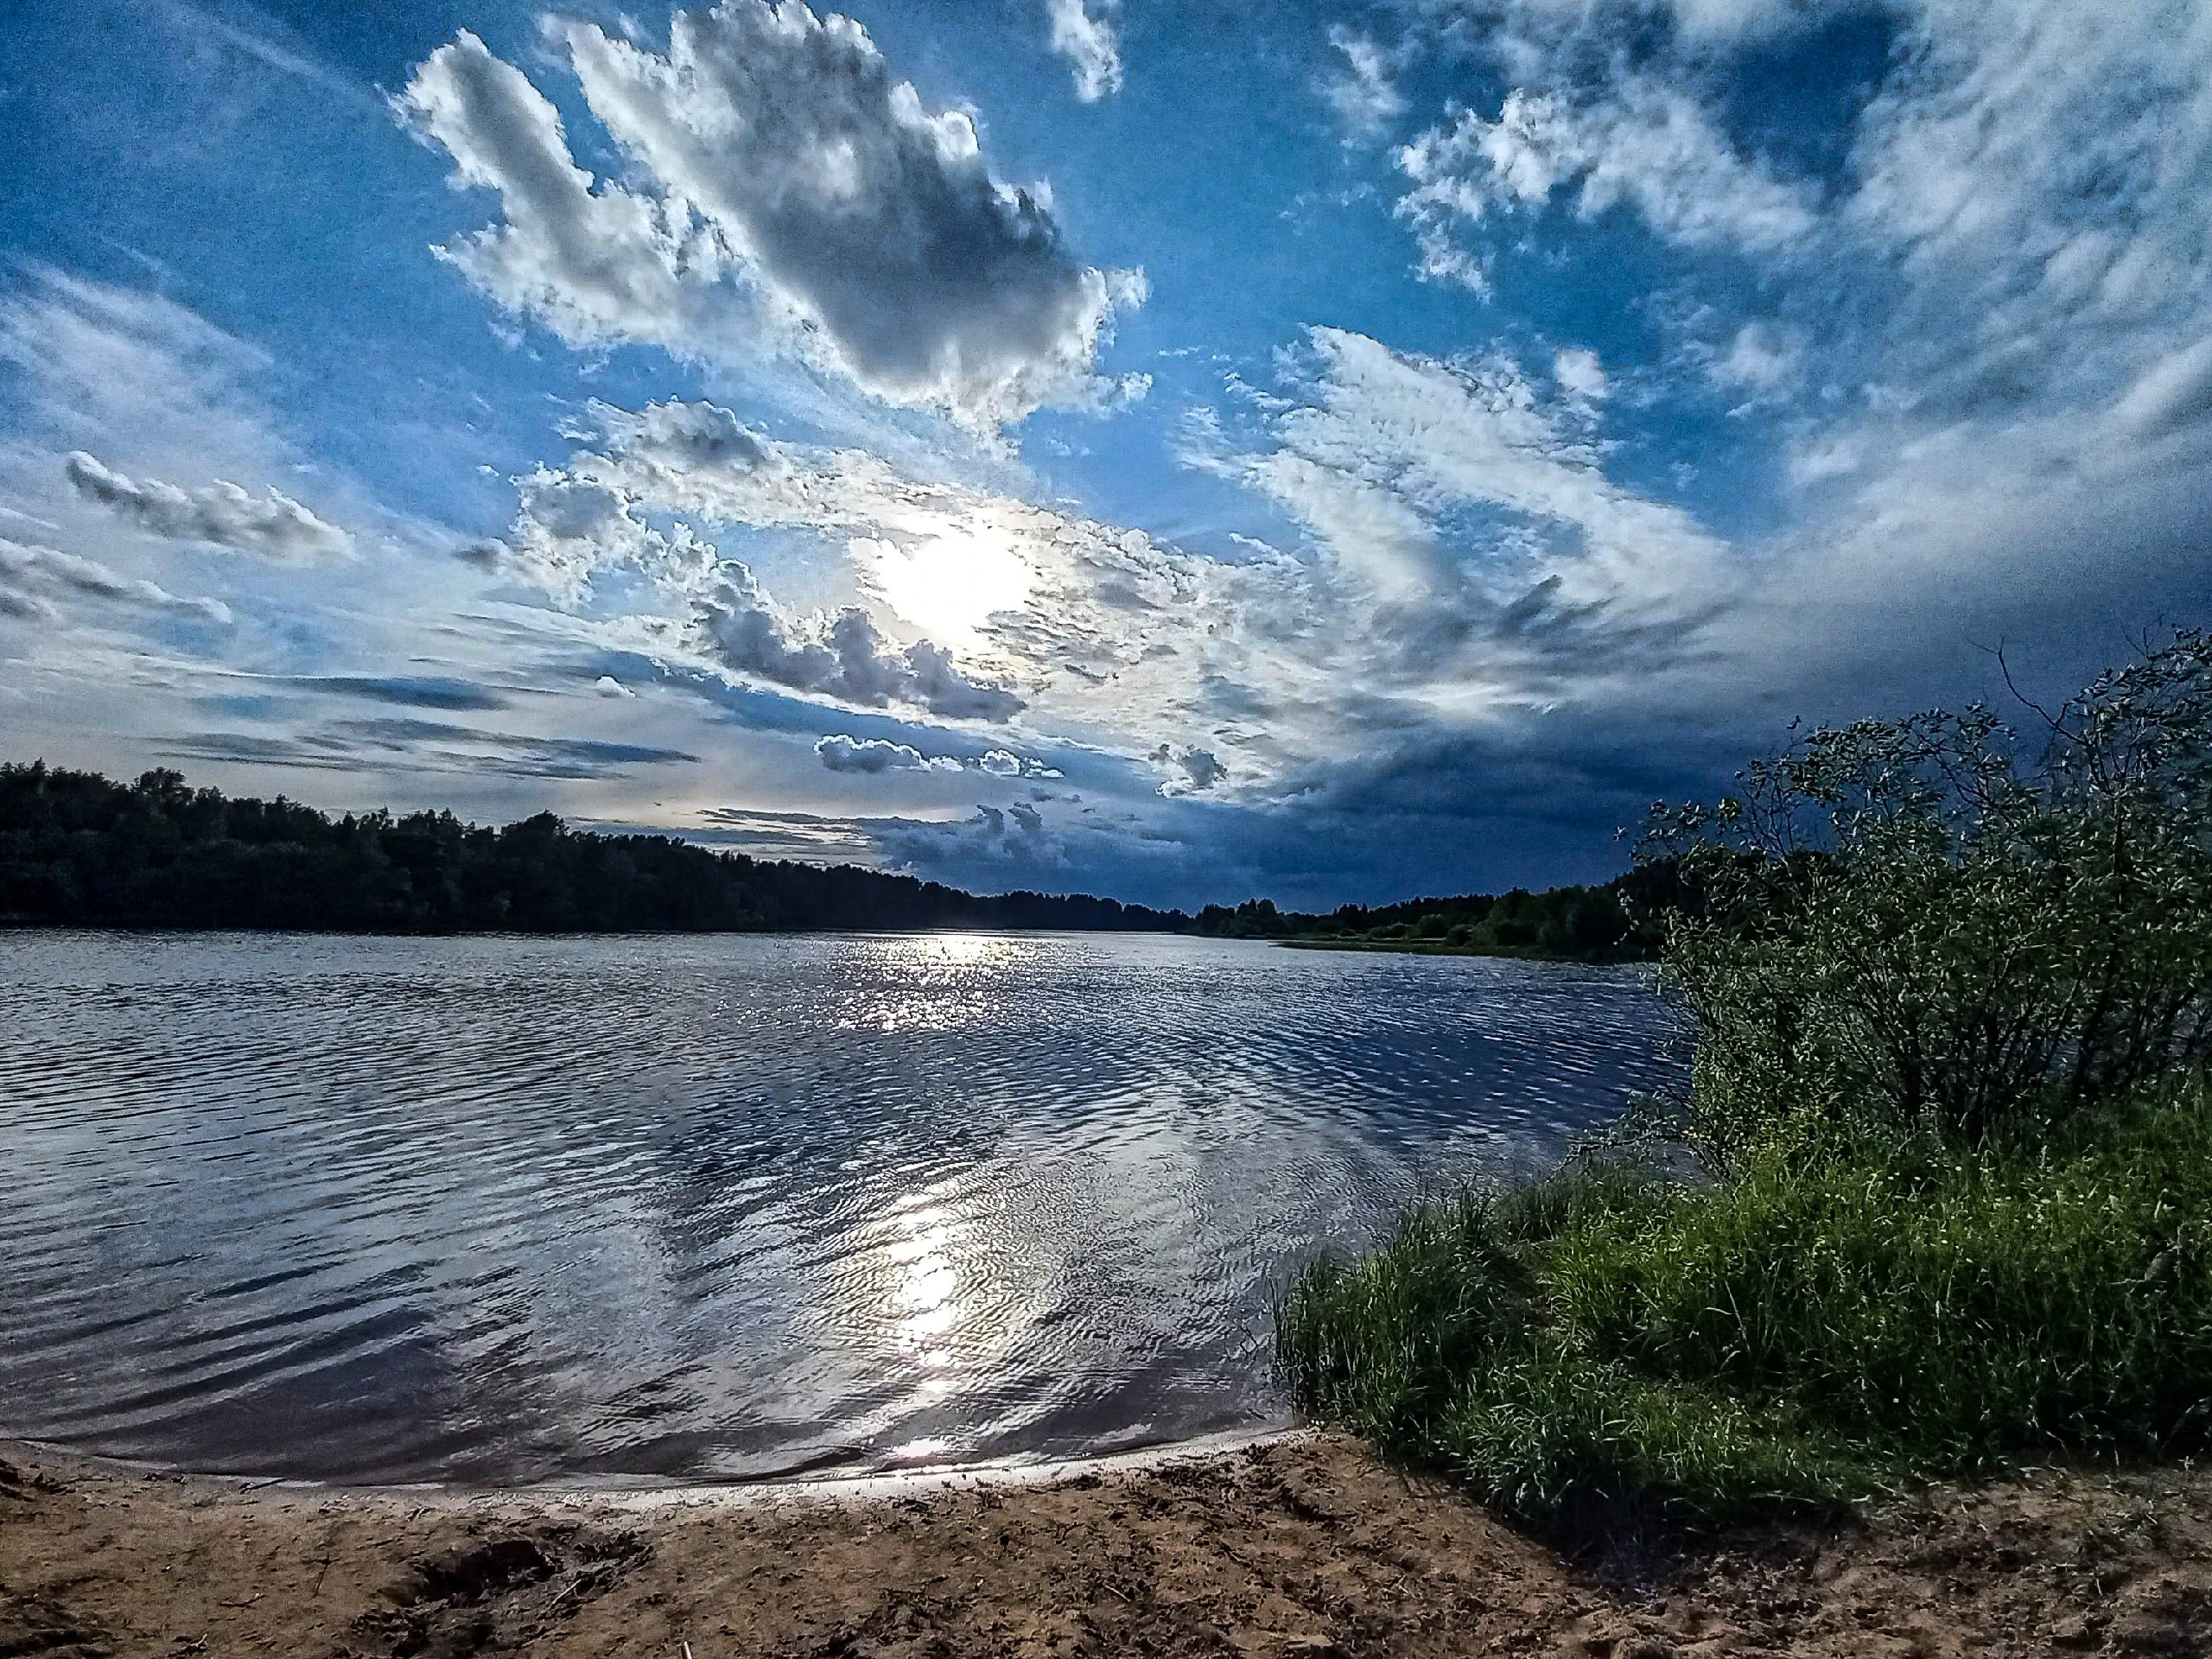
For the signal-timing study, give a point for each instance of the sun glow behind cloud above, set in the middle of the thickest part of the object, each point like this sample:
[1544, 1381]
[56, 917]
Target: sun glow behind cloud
[948, 586]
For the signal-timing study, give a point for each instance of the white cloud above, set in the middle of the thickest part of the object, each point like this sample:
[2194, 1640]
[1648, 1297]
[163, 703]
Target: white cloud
[594, 260]
[220, 514]
[1641, 143]
[840, 752]
[1413, 438]
[1363, 95]
[1580, 373]
[1759, 359]
[788, 183]
[2174, 392]
[31, 577]
[843, 656]
[1191, 770]
[1086, 40]
[1470, 555]
[873, 754]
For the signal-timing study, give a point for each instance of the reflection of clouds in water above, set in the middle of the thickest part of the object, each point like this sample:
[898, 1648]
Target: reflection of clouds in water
[518, 1209]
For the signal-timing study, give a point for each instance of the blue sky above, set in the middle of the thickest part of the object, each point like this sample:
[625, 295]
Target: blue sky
[1180, 451]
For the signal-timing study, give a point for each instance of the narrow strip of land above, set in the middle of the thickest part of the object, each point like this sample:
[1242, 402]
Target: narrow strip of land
[1309, 1549]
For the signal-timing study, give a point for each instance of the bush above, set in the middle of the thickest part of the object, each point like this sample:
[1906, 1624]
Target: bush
[1937, 921]
[1953, 997]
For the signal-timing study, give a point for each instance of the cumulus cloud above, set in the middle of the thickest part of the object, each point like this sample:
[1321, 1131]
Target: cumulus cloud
[843, 656]
[873, 754]
[1469, 555]
[787, 180]
[1191, 770]
[994, 837]
[32, 577]
[222, 514]
[841, 753]
[1758, 359]
[1086, 40]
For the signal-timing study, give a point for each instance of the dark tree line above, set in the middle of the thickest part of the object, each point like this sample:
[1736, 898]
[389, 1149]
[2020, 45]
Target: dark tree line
[1621, 921]
[78, 849]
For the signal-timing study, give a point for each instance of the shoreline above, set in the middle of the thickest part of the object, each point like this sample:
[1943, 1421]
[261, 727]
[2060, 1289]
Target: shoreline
[1302, 1544]
[649, 1492]
[1440, 947]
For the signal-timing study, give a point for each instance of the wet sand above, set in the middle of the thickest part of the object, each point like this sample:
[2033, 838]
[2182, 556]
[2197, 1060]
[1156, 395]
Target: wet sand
[1307, 1547]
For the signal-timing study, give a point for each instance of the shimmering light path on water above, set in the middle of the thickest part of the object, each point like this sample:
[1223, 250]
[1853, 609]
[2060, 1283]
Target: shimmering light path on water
[504, 1210]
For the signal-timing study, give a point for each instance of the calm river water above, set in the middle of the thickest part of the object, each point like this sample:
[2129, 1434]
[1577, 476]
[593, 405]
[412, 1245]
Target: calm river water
[508, 1210]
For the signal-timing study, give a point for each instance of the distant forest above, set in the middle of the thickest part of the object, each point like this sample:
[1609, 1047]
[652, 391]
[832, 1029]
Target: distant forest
[77, 849]
[1617, 922]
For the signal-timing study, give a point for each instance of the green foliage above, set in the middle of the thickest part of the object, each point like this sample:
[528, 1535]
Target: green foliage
[1953, 997]
[1956, 1306]
[1569, 924]
[78, 851]
[1935, 920]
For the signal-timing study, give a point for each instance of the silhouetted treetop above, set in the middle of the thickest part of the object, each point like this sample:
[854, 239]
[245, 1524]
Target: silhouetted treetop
[79, 850]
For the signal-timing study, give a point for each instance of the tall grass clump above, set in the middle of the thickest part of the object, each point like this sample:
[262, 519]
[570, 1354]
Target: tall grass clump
[1952, 1133]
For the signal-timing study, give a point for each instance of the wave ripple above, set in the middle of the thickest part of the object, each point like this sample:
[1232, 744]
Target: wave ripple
[506, 1209]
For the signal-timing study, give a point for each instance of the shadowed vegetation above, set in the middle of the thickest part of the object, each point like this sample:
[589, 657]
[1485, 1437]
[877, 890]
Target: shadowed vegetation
[78, 850]
[1940, 1194]
[1617, 922]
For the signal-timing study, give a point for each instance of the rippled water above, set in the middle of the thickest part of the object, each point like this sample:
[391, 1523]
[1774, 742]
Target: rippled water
[511, 1210]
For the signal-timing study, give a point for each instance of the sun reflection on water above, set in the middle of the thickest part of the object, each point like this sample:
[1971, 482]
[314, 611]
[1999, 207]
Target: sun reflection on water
[925, 1281]
[954, 950]
[932, 982]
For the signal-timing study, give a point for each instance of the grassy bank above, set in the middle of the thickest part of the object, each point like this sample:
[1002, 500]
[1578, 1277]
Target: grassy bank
[1813, 1328]
[1940, 1196]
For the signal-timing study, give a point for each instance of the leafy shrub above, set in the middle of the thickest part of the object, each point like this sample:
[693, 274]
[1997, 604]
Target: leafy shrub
[1935, 920]
[1953, 997]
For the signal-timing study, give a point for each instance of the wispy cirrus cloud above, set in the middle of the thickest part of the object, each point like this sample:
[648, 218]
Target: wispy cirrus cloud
[1643, 143]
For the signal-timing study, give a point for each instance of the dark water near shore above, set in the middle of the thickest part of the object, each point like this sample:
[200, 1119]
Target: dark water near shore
[502, 1210]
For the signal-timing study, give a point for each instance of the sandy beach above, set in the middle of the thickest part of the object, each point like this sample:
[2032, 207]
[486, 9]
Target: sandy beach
[1303, 1546]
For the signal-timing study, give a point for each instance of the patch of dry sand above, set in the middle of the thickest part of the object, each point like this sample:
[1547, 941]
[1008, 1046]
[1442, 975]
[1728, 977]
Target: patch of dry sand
[1304, 1548]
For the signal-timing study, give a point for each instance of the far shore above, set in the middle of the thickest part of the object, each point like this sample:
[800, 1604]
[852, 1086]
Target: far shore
[1299, 1546]
[1446, 948]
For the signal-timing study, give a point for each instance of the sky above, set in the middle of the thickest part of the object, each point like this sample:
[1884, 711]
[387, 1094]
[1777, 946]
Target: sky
[1182, 451]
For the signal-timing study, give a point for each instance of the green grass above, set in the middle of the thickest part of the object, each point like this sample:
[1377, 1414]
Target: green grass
[1813, 1329]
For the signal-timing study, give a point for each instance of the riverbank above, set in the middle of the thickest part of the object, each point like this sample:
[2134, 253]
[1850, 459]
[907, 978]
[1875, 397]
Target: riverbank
[1307, 1547]
[1446, 948]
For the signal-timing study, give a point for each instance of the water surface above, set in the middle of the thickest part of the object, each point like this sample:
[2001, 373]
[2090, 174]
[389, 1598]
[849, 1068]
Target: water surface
[509, 1210]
